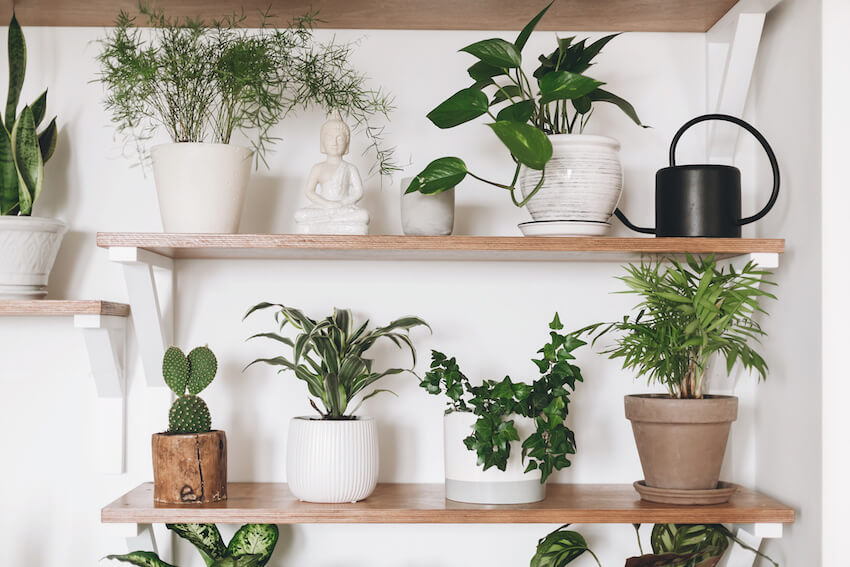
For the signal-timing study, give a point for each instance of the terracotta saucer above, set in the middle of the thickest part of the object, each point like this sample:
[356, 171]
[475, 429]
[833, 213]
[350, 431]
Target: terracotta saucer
[719, 495]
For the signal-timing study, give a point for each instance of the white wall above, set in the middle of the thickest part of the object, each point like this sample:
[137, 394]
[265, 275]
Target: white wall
[491, 315]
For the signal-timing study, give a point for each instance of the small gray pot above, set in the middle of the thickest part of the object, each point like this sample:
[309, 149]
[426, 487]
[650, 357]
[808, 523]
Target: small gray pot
[427, 215]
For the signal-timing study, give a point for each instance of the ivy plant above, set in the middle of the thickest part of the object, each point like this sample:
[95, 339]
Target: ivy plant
[546, 400]
[521, 116]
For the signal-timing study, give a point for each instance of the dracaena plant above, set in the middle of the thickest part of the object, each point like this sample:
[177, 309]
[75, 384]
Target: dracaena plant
[520, 115]
[329, 355]
[251, 546]
[546, 400]
[688, 313]
[23, 149]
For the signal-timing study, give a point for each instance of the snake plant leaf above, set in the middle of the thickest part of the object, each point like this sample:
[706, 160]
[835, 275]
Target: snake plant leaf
[463, 106]
[141, 559]
[496, 52]
[256, 540]
[526, 143]
[523, 36]
[27, 154]
[440, 175]
[47, 141]
[205, 537]
[8, 175]
[563, 85]
[39, 108]
[17, 49]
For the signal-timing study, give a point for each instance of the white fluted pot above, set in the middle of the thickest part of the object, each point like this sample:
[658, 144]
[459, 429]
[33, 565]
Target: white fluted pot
[467, 481]
[332, 461]
[201, 187]
[28, 249]
[583, 183]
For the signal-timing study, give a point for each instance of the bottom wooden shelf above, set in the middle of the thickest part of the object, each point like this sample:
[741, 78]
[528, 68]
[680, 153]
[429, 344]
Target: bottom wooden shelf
[426, 504]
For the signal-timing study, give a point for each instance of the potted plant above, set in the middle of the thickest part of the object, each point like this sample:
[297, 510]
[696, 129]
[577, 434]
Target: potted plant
[571, 182]
[190, 459]
[207, 84]
[503, 439]
[29, 244]
[333, 457]
[689, 313]
[251, 546]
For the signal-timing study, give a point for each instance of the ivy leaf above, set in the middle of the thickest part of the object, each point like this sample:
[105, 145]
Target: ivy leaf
[517, 112]
[526, 143]
[440, 175]
[463, 106]
[523, 36]
[599, 95]
[563, 85]
[496, 52]
[481, 71]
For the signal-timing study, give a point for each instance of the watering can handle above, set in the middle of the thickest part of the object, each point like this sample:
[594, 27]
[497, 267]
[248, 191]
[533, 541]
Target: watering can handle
[774, 165]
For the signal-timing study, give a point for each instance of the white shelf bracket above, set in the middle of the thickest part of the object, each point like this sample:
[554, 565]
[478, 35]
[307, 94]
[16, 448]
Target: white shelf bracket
[752, 535]
[105, 338]
[731, 49]
[154, 328]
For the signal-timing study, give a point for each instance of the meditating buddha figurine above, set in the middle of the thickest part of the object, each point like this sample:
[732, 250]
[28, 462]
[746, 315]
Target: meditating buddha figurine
[334, 187]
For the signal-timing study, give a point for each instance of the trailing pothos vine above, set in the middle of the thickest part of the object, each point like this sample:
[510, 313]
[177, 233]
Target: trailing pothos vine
[546, 400]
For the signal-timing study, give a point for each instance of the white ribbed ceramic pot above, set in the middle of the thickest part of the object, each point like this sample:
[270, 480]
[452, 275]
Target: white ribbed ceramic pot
[201, 187]
[584, 180]
[332, 461]
[467, 481]
[28, 249]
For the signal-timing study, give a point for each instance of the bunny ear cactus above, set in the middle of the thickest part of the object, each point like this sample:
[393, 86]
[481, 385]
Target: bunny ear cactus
[23, 150]
[189, 413]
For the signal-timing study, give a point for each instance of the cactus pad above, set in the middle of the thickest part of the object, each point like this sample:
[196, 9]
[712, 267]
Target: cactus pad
[175, 370]
[202, 369]
[189, 414]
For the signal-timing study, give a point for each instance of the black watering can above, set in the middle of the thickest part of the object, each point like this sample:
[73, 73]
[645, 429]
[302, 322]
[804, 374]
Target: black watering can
[703, 200]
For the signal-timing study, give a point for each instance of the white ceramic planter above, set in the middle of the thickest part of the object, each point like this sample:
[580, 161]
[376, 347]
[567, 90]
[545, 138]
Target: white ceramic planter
[584, 180]
[466, 481]
[201, 187]
[427, 215]
[28, 249]
[332, 461]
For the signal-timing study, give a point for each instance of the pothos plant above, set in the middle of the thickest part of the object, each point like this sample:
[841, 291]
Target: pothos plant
[251, 546]
[687, 314]
[23, 149]
[546, 400]
[521, 115]
[329, 355]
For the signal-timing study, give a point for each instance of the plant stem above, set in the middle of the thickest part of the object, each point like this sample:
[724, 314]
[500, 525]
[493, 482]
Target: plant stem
[530, 195]
[508, 187]
[594, 556]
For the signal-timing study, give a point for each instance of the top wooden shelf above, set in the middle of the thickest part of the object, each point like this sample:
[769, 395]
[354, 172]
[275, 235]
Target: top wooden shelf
[60, 308]
[426, 504]
[565, 15]
[389, 247]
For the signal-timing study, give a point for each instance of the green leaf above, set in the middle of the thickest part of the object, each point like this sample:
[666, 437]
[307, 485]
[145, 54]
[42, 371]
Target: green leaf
[141, 558]
[517, 112]
[463, 106]
[496, 52]
[39, 108]
[8, 175]
[257, 540]
[600, 95]
[28, 160]
[175, 370]
[47, 141]
[205, 537]
[504, 93]
[17, 69]
[526, 143]
[563, 85]
[241, 561]
[559, 548]
[441, 175]
[583, 104]
[203, 367]
[481, 71]
[523, 36]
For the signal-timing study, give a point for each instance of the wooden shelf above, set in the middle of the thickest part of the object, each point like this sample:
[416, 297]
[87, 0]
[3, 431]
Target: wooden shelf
[426, 504]
[389, 247]
[60, 308]
[572, 15]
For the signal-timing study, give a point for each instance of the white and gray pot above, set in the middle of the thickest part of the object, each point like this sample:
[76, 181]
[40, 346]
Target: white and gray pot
[427, 215]
[582, 187]
[28, 249]
[332, 461]
[466, 481]
[201, 187]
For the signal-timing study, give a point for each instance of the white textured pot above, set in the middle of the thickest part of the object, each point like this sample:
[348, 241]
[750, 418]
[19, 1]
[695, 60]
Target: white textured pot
[28, 248]
[427, 215]
[584, 180]
[201, 187]
[332, 461]
[466, 481]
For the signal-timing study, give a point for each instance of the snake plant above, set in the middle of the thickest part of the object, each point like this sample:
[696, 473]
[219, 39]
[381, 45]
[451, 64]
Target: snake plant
[23, 149]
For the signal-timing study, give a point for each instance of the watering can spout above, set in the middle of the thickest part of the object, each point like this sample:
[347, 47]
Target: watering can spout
[619, 214]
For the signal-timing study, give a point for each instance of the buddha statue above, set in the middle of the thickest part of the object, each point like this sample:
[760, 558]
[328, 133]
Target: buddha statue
[334, 187]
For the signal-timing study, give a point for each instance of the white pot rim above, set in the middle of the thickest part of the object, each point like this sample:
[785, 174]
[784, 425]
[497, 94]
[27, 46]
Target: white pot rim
[316, 419]
[203, 145]
[17, 220]
[564, 139]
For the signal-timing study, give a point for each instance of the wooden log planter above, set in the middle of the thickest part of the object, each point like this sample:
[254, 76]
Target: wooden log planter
[189, 467]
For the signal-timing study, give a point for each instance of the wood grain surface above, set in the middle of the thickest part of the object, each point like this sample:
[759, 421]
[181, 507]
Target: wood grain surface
[58, 307]
[426, 504]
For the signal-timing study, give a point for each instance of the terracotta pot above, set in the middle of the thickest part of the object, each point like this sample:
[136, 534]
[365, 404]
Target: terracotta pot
[189, 467]
[681, 442]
